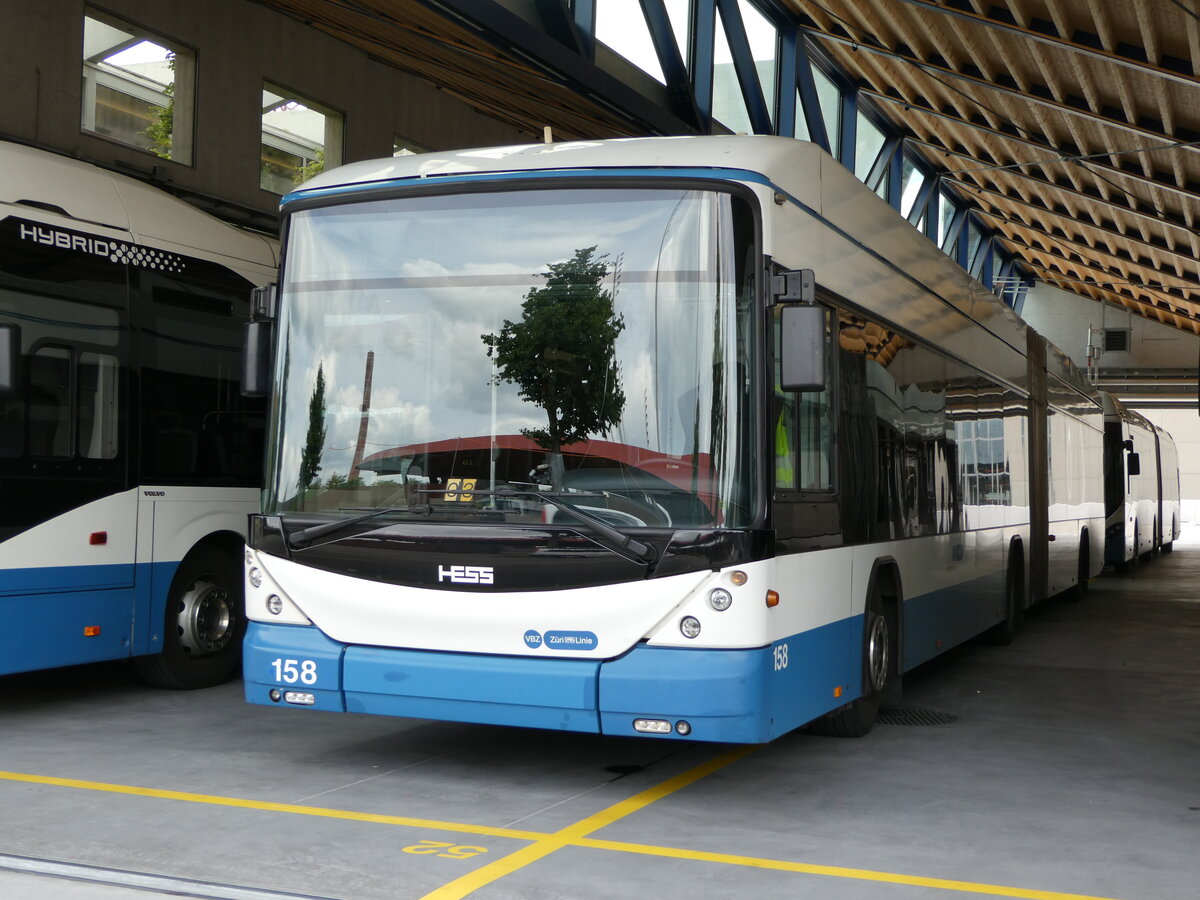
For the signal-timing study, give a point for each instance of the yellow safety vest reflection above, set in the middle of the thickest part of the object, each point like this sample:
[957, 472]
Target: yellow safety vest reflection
[785, 466]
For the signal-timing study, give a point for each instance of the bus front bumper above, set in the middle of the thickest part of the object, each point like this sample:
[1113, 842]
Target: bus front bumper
[718, 695]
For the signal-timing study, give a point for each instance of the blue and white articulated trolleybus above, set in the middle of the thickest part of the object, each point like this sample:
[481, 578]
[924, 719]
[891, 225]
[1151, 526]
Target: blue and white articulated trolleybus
[1141, 486]
[128, 457]
[683, 437]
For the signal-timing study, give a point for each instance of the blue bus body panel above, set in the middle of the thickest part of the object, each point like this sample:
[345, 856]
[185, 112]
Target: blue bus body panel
[54, 579]
[744, 696]
[936, 621]
[51, 606]
[266, 643]
[497, 690]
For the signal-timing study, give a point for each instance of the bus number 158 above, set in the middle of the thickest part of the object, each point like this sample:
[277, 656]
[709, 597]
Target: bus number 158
[290, 671]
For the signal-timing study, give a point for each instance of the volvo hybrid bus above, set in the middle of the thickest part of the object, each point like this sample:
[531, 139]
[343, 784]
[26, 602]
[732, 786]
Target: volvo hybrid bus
[128, 457]
[677, 437]
[1141, 486]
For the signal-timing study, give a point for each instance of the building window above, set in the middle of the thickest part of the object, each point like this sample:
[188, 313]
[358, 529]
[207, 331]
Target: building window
[137, 87]
[830, 98]
[300, 138]
[728, 103]
[868, 144]
[913, 178]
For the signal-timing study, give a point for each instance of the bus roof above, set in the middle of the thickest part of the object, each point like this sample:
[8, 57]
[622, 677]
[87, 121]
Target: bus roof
[755, 153]
[807, 174]
[48, 182]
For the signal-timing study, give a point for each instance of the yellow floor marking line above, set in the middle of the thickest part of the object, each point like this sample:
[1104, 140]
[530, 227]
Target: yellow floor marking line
[782, 865]
[576, 835]
[267, 806]
[572, 834]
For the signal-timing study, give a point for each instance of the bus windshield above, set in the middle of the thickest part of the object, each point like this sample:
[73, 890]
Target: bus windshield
[462, 356]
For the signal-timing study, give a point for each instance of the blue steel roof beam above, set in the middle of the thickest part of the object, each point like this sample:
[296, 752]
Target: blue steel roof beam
[848, 125]
[785, 81]
[584, 13]
[954, 230]
[743, 64]
[561, 25]
[1177, 73]
[510, 32]
[679, 84]
[979, 267]
[701, 56]
[810, 102]
[895, 190]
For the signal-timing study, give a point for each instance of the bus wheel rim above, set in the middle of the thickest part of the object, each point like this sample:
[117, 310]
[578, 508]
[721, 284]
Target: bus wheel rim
[877, 653]
[206, 618]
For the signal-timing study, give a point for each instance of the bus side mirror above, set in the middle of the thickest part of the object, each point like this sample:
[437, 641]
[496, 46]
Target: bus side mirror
[256, 358]
[1134, 464]
[10, 357]
[258, 340]
[802, 347]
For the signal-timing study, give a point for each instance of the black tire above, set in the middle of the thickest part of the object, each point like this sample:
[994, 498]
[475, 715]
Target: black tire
[1005, 631]
[880, 677]
[1081, 574]
[203, 624]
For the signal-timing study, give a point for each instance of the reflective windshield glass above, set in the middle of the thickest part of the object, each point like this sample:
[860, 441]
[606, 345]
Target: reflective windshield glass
[462, 356]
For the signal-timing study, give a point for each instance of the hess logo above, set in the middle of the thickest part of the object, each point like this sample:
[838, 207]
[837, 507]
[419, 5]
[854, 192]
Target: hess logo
[465, 574]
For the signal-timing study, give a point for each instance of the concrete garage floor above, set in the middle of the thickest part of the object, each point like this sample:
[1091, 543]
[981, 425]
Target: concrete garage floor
[1071, 770]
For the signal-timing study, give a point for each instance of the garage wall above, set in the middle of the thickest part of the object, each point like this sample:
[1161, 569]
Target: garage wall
[238, 44]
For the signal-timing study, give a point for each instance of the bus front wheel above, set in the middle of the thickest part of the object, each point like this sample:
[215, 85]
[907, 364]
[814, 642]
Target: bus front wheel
[202, 626]
[880, 678]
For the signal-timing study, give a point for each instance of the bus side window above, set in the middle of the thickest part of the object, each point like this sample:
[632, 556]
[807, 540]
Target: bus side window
[50, 402]
[802, 430]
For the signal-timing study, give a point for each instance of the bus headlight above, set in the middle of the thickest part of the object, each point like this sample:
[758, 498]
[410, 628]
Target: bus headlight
[255, 576]
[720, 599]
[690, 626]
[274, 605]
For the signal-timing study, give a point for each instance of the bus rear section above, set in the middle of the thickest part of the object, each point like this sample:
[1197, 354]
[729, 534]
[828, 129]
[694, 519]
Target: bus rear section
[128, 458]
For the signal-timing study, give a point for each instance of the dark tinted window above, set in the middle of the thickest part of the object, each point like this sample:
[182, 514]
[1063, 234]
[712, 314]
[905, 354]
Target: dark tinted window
[196, 428]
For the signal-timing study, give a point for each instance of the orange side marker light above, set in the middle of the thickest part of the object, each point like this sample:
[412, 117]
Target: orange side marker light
[91, 630]
[772, 598]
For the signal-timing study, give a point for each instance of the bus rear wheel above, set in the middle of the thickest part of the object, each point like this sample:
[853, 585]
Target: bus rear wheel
[203, 624]
[1005, 631]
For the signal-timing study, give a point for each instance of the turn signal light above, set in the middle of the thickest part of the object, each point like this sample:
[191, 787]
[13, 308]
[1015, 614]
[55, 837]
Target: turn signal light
[91, 630]
[772, 598]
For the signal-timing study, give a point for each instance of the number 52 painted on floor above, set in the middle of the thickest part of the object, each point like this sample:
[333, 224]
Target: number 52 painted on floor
[445, 849]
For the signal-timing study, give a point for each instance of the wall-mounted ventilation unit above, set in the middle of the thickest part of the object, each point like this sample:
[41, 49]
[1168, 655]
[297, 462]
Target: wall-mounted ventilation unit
[1116, 339]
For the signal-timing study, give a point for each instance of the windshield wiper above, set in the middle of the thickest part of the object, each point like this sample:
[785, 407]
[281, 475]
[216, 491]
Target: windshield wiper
[308, 535]
[612, 538]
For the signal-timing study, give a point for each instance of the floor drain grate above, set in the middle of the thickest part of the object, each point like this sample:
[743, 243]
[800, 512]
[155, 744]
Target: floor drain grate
[914, 717]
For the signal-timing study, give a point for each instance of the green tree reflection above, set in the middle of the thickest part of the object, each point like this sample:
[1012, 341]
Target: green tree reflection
[314, 441]
[561, 354]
